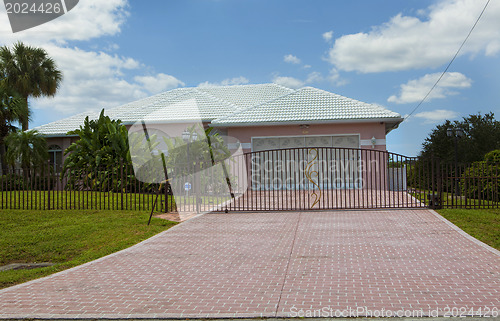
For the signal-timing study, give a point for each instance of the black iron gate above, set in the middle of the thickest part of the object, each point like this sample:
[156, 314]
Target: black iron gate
[325, 178]
[344, 178]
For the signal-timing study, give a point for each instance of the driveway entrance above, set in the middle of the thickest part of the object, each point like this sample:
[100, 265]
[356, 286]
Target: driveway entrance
[278, 264]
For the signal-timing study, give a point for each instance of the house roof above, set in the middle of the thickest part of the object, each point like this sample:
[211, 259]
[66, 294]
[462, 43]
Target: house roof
[177, 105]
[245, 96]
[308, 105]
[241, 105]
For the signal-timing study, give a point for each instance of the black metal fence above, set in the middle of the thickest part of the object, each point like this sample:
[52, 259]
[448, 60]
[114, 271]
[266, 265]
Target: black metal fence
[273, 180]
[457, 185]
[47, 188]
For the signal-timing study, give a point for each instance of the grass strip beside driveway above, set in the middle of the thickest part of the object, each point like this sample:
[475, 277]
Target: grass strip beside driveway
[483, 224]
[67, 238]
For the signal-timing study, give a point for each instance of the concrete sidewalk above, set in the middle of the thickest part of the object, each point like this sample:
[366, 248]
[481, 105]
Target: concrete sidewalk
[278, 265]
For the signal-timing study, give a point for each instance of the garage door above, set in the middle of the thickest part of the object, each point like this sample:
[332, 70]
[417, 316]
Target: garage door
[293, 163]
[269, 143]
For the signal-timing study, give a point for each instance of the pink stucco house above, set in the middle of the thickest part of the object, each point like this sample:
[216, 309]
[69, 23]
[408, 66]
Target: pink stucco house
[260, 116]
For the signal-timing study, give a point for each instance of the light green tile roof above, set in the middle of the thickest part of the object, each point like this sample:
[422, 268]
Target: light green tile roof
[245, 96]
[241, 105]
[307, 104]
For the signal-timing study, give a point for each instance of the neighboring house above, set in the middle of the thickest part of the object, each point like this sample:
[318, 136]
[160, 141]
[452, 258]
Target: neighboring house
[261, 117]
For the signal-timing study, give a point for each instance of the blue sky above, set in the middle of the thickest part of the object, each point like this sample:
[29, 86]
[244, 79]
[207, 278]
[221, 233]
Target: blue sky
[384, 52]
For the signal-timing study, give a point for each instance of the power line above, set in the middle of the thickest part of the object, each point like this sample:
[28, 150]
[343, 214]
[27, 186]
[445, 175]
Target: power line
[447, 67]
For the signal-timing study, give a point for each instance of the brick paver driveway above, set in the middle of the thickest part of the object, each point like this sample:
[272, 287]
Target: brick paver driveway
[278, 264]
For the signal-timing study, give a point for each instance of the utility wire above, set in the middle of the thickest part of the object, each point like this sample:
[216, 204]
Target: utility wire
[447, 67]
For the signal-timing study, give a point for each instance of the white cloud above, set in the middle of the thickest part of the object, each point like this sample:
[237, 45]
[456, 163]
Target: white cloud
[436, 116]
[226, 82]
[159, 83]
[289, 82]
[328, 36]
[314, 77]
[407, 42]
[111, 47]
[235, 81]
[416, 89]
[92, 80]
[89, 19]
[334, 78]
[291, 59]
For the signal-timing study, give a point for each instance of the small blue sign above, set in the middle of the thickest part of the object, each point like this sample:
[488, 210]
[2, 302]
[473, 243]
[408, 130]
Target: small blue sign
[187, 186]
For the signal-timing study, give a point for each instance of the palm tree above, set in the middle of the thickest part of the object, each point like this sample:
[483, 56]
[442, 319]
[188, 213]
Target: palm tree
[29, 71]
[12, 109]
[29, 147]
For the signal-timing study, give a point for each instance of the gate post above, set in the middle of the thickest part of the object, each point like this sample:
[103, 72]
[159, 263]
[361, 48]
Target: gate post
[48, 184]
[430, 195]
[434, 196]
[439, 185]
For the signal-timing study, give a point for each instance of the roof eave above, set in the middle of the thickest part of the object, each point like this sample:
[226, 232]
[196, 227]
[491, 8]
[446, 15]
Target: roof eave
[169, 121]
[389, 126]
[392, 120]
[57, 135]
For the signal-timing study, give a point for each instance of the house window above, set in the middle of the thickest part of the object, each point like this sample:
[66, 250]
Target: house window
[55, 157]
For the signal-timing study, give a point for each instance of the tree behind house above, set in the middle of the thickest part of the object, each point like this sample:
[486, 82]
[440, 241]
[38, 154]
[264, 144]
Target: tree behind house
[13, 108]
[28, 148]
[481, 135]
[30, 72]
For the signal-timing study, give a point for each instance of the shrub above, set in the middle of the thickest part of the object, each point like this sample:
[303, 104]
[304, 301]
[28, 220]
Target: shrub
[480, 179]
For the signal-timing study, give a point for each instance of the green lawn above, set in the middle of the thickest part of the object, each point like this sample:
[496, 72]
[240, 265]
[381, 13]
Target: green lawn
[67, 238]
[483, 224]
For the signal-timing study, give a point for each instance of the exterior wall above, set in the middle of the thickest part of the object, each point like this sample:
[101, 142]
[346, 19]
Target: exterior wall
[365, 130]
[63, 142]
[244, 134]
[173, 129]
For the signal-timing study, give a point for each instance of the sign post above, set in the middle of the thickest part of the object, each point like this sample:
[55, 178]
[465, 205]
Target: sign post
[187, 188]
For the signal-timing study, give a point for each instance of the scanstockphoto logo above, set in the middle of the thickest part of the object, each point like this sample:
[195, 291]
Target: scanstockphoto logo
[202, 168]
[26, 14]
